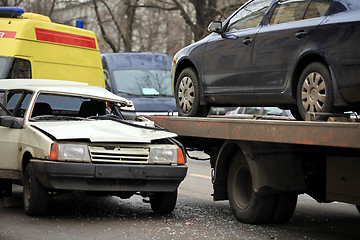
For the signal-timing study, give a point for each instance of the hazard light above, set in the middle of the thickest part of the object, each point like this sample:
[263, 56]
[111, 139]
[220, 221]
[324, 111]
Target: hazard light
[11, 12]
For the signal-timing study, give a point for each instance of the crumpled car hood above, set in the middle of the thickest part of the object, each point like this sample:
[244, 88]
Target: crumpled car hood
[100, 131]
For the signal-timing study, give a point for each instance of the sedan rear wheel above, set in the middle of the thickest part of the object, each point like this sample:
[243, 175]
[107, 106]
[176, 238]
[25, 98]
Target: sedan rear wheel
[314, 91]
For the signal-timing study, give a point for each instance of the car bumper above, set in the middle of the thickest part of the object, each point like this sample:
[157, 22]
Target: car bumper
[108, 177]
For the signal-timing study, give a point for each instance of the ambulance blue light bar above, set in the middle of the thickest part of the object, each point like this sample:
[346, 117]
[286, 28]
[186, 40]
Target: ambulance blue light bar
[11, 12]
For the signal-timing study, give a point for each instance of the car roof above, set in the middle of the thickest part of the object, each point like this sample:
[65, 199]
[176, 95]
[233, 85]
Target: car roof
[63, 87]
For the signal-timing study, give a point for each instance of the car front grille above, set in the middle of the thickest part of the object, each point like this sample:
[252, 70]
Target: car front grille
[119, 155]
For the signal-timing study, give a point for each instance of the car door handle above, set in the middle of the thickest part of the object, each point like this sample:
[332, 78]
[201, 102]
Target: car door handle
[231, 36]
[300, 34]
[247, 41]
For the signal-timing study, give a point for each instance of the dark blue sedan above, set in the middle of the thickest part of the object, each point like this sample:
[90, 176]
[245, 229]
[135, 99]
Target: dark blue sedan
[302, 55]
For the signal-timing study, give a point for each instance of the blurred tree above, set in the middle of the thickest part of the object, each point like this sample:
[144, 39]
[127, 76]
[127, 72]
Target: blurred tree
[122, 20]
[10, 3]
[204, 10]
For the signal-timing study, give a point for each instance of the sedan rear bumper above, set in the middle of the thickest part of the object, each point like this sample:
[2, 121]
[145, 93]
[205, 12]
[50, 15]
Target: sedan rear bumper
[108, 177]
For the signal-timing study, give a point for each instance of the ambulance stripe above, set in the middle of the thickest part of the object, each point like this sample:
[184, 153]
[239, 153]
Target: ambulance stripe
[64, 38]
[7, 34]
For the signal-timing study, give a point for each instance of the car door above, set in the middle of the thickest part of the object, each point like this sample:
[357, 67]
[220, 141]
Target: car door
[227, 57]
[9, 136]
[279, 42]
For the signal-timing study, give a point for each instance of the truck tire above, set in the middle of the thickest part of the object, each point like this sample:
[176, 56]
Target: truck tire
[314, 90]
[163, 202]
[35, 196]
[247, 206]
[284, 207]
[187, 95]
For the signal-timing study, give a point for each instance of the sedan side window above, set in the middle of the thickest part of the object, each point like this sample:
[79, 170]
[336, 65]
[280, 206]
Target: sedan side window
[317, 8]
[289, 11]
[18, 102]
[250, 16]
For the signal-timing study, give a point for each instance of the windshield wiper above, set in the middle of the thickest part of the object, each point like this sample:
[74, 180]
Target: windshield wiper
[55, 117]
[127, 93]
[105, 117]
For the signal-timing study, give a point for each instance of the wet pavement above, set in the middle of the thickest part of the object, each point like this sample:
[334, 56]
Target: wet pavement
[195, 217]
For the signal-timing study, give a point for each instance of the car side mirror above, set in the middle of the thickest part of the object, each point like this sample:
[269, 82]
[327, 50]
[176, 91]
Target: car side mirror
[215, 26]
[10, 122]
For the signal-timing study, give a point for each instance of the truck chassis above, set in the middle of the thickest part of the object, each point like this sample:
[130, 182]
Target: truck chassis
[261, 166]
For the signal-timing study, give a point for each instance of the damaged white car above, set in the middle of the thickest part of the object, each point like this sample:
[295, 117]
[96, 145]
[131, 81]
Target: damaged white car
[57, 135]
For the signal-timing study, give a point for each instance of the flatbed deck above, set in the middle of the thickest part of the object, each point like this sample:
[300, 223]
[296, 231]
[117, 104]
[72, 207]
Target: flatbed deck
[330, 134]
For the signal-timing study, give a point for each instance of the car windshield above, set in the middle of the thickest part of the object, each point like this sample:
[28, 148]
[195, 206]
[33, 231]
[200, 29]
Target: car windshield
[143, 82]
[62, 107]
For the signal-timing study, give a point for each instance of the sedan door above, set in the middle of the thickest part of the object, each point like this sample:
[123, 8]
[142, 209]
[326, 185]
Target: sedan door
[279, 42]
[227, 57]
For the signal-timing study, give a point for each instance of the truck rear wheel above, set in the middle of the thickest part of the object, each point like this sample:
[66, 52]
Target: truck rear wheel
[35, 195]
[248, 206]
[163, 202]
[284, 207]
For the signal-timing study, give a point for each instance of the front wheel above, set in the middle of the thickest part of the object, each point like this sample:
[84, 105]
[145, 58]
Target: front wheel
[35, 196]
[248, 206]
[285, 205]
[163, 202]
[314, 90]
[187, 95]
[358, 208]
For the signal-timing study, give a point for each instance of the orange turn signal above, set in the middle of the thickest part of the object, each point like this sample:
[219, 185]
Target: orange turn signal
[180, 157]
[54, 152]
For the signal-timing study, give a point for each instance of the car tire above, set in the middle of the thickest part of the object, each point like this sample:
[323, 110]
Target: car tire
[314, 90]
[187, 95]
[163, 202]
[285, 205]
[247, 206]
[35, 196]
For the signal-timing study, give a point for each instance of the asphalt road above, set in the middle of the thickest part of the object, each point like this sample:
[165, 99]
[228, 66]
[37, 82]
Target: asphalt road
[195, 217]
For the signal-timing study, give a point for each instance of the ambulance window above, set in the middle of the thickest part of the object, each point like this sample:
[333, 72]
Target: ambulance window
[21, 69]
[4, 62]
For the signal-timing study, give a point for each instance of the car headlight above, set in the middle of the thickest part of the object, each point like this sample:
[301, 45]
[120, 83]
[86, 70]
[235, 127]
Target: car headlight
[69, 152]
[166, 155]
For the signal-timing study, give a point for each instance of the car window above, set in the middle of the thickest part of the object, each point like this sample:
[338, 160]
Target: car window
[18, 102]
[342, 5]
[317, 8]
[295, 10]
[249, 16]
[60, 105]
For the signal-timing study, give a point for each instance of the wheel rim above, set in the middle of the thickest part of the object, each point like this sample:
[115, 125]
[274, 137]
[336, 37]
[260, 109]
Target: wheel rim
[186, 94]
[313, 94]
[243, 188]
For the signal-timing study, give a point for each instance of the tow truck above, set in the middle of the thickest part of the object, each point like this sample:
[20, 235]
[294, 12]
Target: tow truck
[262, 165]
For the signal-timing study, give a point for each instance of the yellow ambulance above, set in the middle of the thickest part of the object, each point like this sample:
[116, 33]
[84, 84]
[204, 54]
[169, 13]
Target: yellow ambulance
[31, 46]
